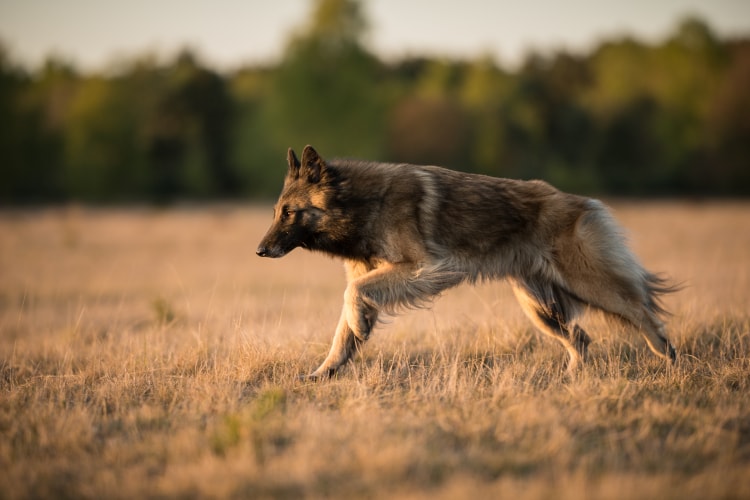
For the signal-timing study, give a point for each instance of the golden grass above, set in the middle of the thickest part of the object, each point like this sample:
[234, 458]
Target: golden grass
[148, 353]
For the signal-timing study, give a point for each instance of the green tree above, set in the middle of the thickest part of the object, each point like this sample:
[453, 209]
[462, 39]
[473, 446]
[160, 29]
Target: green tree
[20, 128]
[427, 121]
[483, 90]
[629, 118]
[190, 133]
[327, 90]
[253, 152]
[429, 131]
[33, 110]
[101, 153]
[547, 127]
[727, 167]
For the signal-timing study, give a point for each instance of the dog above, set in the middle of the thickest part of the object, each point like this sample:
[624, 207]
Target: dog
[406, 233]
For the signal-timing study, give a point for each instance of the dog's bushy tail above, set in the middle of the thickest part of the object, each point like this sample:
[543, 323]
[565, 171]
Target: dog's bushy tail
[657, 286]
[609, 243]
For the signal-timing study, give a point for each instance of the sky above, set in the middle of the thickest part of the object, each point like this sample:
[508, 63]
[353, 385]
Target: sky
[93, 34]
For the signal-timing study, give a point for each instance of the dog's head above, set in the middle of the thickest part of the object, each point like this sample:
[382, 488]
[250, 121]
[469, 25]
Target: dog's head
[300, 208]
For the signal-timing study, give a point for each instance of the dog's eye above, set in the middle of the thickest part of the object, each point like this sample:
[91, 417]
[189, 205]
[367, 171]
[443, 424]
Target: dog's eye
[288, 212]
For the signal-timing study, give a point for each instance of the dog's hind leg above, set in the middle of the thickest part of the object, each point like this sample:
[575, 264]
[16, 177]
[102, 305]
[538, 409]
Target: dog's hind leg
[652, 330]
[553, 310]
[644, 318]
[600, 270]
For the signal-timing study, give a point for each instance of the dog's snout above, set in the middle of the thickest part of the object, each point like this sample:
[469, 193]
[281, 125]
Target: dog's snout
[261, 251]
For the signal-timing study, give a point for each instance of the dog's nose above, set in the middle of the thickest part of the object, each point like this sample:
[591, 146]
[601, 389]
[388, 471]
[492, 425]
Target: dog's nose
[262, 251]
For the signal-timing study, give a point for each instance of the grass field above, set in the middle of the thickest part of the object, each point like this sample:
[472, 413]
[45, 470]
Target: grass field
[149, 353]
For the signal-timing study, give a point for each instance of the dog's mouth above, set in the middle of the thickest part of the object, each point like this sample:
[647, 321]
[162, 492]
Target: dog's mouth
[273, 252]
[263, 251]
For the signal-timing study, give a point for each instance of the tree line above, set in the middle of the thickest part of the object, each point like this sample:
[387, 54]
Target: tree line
[627, 118]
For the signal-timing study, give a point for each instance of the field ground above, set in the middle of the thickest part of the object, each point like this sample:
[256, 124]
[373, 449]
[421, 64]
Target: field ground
[149, 353]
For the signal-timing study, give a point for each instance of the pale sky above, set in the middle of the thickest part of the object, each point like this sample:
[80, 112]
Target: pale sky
[230, 33]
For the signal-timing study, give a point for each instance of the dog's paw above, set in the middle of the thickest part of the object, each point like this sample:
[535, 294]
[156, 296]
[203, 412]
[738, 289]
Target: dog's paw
[318, 375]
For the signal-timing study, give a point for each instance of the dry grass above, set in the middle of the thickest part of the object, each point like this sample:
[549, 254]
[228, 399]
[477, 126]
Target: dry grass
[149, 353]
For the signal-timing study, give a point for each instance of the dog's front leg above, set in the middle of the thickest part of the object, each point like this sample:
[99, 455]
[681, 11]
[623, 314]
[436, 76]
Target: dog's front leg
[368, 290]
[390, 287]
[387, 287]
[358, 317]
[345, 342]
[344, 345]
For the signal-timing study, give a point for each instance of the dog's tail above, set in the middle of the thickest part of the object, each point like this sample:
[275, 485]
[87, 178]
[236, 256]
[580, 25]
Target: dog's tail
[609, 244]
[658, 285]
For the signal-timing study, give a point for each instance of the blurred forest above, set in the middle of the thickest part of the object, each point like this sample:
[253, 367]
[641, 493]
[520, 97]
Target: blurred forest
[629, 118]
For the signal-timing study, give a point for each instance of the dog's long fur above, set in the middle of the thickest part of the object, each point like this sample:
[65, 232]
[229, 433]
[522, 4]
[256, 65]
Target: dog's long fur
[409, 232]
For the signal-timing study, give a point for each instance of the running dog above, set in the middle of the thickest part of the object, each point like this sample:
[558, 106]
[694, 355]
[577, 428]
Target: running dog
[407, 233]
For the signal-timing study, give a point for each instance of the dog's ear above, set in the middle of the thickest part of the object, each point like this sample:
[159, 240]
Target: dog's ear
[293, 163]
[312, 165]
